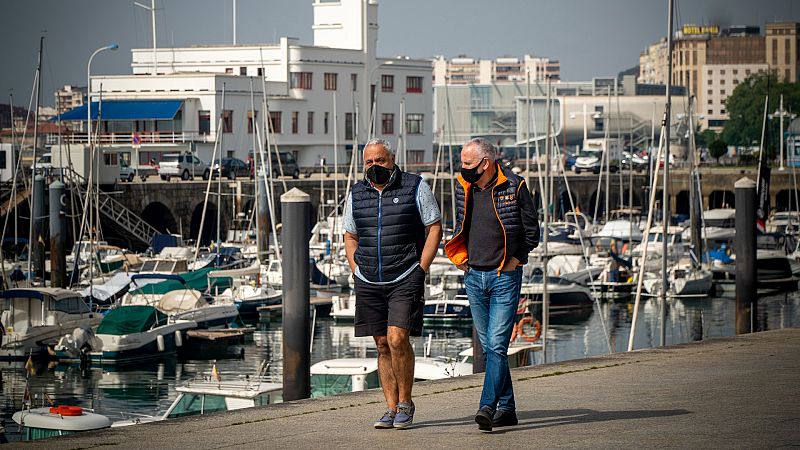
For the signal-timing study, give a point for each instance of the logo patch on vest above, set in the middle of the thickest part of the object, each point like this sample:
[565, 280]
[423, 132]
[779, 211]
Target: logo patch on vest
[395, 200]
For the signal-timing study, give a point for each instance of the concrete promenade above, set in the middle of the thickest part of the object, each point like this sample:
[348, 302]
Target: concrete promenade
[739, 392]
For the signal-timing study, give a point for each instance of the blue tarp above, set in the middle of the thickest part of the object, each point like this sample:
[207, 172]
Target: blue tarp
[128, 110]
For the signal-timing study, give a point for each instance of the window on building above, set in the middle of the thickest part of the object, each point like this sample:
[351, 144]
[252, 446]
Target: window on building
[416, 156]
[204, 122]
[325, 122]
[710, 92]
[774, 52]
[251, 116]
[242, 70]
[301, 80]
[310, 122]
[353, 82]
[710, 82]
[735, 81]
[711, 111]
[387, 121]
[722, 72]
[736, 71]
[348, 126]
[787, 53]
[598, 118]
[722, 111]
[227, 121]
[229, 70]
[295, 119]
[710, 102]
[722, 82]
[275, 121]
[414, 123]
[387, 83]
[330, 81]
[710, 72]
[414, 84]
[722, 92]
[261, 71]
[3, 163]
[747, 71]
[723, 101]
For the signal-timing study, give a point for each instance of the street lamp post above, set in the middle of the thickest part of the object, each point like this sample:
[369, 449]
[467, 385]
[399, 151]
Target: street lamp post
[780, 114]
[92, 169]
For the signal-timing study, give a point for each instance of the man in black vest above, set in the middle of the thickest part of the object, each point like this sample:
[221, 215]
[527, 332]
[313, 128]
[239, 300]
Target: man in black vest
[496, 227]
[392, 230]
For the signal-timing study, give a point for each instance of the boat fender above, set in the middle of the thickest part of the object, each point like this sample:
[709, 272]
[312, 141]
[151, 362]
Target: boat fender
[66, 411]
[160, 342]
[178, 339]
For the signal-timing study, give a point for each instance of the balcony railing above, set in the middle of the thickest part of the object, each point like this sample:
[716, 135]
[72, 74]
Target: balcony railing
[144, 138]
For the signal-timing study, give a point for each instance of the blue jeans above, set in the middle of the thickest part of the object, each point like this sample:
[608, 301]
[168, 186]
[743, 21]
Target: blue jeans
[493, 300]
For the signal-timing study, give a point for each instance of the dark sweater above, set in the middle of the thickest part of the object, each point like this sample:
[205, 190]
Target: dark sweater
[485, 241]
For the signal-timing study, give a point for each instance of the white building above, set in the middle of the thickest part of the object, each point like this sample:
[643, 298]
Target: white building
[718, 82]
[466, 70]
[69, 97]
[303, 84]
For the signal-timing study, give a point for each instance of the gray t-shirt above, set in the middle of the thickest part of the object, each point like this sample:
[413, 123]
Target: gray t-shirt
[428, 212]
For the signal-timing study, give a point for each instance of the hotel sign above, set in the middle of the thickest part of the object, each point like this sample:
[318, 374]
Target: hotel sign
[691, 29]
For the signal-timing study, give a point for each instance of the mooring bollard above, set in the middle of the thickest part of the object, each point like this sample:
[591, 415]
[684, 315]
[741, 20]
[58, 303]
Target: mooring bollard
[58, 262]
[38, 217]
[478, 358]
[745, 246]
[296, 216]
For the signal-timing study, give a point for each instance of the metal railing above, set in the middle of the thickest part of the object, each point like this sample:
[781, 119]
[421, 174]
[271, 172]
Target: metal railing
[116, 211]
[145, 138]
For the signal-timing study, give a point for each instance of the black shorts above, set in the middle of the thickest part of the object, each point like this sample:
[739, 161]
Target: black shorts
[399, 304]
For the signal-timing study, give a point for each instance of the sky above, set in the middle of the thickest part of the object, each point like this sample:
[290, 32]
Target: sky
[589, 37]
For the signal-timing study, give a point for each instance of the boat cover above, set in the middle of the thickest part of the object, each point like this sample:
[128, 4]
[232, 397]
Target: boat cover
[181, 300]
[197, 280]
[131, 319]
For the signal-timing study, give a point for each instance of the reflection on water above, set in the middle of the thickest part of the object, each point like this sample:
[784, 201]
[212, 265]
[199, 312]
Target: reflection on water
[149, 388]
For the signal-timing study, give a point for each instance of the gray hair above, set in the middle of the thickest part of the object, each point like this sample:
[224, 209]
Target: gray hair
[484, 148]
[381, 142]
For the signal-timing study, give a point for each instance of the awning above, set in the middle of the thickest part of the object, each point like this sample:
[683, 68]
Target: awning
[127, 110]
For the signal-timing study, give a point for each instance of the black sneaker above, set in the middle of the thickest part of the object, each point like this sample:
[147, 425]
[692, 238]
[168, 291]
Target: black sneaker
[484, 419]
[504, 418]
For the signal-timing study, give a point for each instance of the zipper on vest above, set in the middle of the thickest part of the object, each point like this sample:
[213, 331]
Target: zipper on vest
[380, 220]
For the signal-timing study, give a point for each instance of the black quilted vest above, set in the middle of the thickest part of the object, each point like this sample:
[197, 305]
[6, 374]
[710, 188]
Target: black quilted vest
[391, 234]
[505, 203]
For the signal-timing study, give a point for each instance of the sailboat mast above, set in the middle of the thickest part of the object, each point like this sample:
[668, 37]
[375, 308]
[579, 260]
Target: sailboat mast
[255, 173]
[31, 241]
[546, 228]
[662, 313]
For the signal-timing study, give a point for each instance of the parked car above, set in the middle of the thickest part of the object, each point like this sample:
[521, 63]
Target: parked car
[231, 169]
[591, 160]
[288, 163]
[186, 166]
[126, 172]
[633, 160]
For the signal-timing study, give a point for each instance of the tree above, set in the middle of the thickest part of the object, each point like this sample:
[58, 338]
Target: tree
[717, 149]
[746, 109]
[706, 137]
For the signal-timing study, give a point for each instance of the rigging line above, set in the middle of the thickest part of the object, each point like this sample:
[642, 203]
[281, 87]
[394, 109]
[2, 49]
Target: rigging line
[208, 183]
[583, 249]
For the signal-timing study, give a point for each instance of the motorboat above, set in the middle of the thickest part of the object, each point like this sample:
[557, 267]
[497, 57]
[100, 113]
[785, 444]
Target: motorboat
[566, 297]
[442, 308]
[247, 291]
[684, 278]
[213, 394]
[343, 308]
[342, 375]
[47, 422]
[34, 318]
[132, 332]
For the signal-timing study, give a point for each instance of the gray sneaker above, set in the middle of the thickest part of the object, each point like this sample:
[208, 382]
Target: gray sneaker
[405, 415]
[387, 421]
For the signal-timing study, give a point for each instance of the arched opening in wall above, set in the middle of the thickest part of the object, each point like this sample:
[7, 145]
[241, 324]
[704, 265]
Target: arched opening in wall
[636, 199]
[721, 199]
[159, 216]
[787, 200]
[565, 205]
[596, 206]
[209, 232]
[682, 203]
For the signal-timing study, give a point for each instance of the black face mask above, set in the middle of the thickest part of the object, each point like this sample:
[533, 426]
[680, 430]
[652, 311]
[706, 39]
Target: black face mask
[472, 175]
[378, 175]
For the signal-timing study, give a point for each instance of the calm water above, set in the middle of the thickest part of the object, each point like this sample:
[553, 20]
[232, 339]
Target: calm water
[149, 388]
